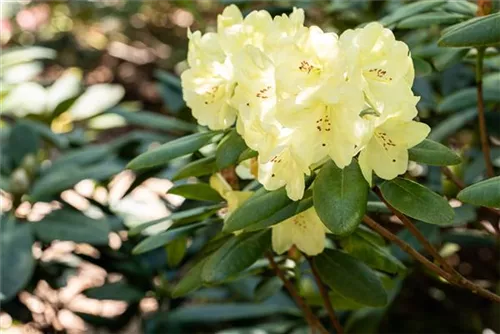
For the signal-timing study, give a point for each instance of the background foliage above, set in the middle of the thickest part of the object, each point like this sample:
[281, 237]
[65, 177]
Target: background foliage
[87, 244]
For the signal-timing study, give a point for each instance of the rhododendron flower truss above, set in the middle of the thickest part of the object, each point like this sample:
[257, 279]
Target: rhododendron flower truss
[299, 95]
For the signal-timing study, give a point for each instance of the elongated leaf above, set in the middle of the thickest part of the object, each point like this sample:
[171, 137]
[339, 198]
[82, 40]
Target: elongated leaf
[191, 280]
[154, 120]
[371, 254]
[350, 278]
[230, 149]
[171, 90]
[340, 197]
[452, 124]
[164, 238]
[171, 150]
[461, 7]
[485, 193]
[196, 191]
[428, 19]
[204, 166]
[72, 226]
[17, 260]
[432, 153]
[467, 98]
[256, 209]
[417, 201]
[83, 156]
[236, 255]
[410, 10]
[115, 291]
[479, 31]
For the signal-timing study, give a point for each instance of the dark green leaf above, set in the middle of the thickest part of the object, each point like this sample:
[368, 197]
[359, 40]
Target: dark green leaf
[479, 31]
[164, 238]
[196, 191]
[417, 201]
[115, 291]
[485, 193]
[83, 156]
[467, 98]
[432, 153]
[350, 278]
[340, 197]
[428, 19]
[256, 209]
[235, 255]
[154, 120]
[410, 10]
[204, 166]
[22, 141]
[16, 259]
[74, 226]
[461, 7]
[230, 149]
[171, 150]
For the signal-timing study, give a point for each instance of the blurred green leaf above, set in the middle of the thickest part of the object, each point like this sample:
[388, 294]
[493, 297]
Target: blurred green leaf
[428, 19]
[267, 287]
[484, 193]
[176, 249]
[60, 141]
[16, 259]
[171, 90]
[69, 225]
[154, 120]
[461, 7]
[467, 98]
[196, 191]
[422, 68]
[350, 278]
[237, 254]
[410, 10]
[479, 31]
[115, 291]
[451, 124]
[191, 280]
[448, 57]
[22, 141]
[340, 197]
[173, 149]
[417, 201]
[433, 153]
[200, 167]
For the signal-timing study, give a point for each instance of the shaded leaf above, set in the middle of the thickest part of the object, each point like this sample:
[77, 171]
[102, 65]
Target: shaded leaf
[432, 153]
[230, 149]
[479, 31]
[200, 167]
[196, 191]
[485, 193]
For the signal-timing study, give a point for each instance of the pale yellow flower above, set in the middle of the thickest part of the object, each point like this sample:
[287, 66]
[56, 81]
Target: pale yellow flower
[305, 231]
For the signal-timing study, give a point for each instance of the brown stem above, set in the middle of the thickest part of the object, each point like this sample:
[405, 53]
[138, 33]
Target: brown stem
[309, 315]
[480, 109]
[325, 297]
[420, 237]
[460, 185]
[458, 281]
